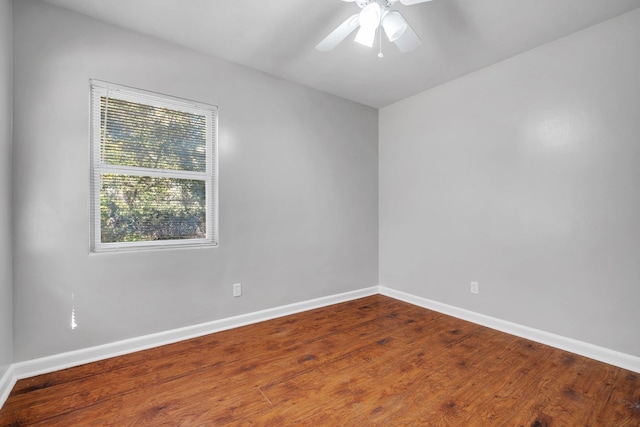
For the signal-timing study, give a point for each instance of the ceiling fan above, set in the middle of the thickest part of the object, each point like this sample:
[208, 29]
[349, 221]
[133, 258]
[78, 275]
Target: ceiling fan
[375, 14]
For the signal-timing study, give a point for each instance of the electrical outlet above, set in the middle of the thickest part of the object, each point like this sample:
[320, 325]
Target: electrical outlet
[237, 289]
[474, 287]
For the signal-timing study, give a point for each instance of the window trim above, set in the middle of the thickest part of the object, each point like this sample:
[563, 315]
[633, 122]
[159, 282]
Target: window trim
[210, 176]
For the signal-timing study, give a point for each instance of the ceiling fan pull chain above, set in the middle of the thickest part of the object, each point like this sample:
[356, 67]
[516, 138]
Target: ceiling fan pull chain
[380, 54]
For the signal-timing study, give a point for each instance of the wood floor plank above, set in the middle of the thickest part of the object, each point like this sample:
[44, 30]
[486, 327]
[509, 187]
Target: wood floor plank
[622, 408]
[483, 383]
[441, 401]
[351, 387]
[373, 361]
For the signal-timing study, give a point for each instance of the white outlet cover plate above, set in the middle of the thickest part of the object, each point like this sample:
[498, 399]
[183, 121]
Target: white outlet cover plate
[237, 289]
[474, 287]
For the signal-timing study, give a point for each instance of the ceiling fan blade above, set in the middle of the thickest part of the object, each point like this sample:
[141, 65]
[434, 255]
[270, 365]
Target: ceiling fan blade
[339, 34]
[408, 41]
[410, 2]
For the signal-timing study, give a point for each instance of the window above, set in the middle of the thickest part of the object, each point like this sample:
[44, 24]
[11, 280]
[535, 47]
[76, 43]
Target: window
[153, 172]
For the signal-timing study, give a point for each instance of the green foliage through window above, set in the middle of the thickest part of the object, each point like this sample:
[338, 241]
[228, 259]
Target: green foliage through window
[141, 208]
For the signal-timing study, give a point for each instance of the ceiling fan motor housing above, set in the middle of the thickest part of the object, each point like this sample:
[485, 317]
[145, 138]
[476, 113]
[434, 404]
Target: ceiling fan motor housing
[385, 3]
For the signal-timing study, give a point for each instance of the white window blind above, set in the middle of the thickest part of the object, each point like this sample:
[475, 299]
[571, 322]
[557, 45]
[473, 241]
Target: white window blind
[154, 170]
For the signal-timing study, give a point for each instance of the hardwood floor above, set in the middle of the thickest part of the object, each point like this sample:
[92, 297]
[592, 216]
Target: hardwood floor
[373, 361]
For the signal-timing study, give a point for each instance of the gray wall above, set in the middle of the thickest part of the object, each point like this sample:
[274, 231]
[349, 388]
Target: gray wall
[525, 177]
[298, 190]
[6, 280]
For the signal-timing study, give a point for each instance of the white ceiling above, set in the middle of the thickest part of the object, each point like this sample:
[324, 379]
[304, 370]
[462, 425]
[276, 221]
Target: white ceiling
[278, 37]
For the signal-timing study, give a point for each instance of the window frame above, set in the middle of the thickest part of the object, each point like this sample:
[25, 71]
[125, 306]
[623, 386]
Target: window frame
[99, 89]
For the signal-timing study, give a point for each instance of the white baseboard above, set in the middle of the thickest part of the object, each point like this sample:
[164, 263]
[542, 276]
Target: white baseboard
[60, 361]
[7, 381]
[69, 359]
[602, 354]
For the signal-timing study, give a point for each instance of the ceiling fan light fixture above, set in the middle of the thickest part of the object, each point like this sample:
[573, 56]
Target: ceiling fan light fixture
[369, 22]
[371, 15]
[366, 36]
[394, 25]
